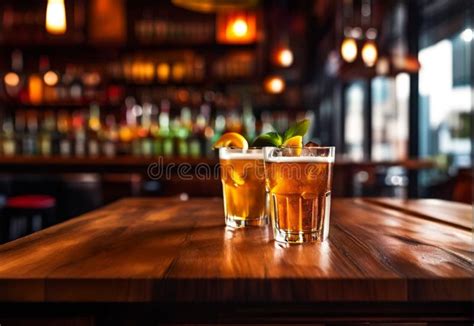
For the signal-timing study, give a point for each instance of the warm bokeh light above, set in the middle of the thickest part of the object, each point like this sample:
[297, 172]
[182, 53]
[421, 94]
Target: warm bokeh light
[94, 123]
[50, 78]
[284, 57]
[274, 84]
[142, 71]
[236, 27]
[35, 89]
[349, 50]
[163, 72]
[91, 78]
[239, 27]
[369, 53]
[56, 17]
[11, 79]
[125, 134]
[178, 71]
[148, 71]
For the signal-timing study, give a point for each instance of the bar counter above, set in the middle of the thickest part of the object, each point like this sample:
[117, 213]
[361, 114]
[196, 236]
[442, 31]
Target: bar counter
[385, 260]
[140, 164]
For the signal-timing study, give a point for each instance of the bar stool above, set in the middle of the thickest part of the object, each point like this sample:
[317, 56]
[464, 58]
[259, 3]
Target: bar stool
[26, 214]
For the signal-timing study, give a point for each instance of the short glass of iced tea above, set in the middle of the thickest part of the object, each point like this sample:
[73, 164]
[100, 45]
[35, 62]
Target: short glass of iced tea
[299, 182]
[243, 186]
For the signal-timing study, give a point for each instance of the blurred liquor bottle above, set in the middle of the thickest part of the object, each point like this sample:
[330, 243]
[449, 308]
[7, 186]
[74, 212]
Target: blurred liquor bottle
[154, 133]
[94, 127]
[196, 136]
[248, 120]
[14, 80]
[165, 130]
[20, 125]
[46, 134]
[109, 136]
[64, 130]
[79, 132]
[50, 80]
[30, 137]
[127, 127]
[8, 142]
[144, 130]
[183, 128]
[76, 90]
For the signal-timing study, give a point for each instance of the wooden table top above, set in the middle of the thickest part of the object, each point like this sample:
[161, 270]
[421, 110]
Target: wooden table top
[166, 250]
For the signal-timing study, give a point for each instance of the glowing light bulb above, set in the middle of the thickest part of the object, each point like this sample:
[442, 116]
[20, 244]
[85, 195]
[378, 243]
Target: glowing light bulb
[369, 53]
[285, 57]
[50, 78]
[240, 27]
[11, 79]
[56, 17]
[349, 50]
[275, 85]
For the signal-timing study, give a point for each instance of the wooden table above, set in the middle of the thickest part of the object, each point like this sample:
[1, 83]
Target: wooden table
[385, 260]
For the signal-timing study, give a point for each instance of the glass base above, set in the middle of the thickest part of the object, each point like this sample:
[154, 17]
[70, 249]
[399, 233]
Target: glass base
[298, 237]
[237, 222]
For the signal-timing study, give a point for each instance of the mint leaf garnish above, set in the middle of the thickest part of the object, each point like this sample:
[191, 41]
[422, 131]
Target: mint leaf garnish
[275, 139]
[268, 139]
[299, 129]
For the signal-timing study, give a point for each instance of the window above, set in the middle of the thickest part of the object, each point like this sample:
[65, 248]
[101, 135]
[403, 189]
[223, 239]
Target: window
[354, 121]
[390, 101]
[446, 100]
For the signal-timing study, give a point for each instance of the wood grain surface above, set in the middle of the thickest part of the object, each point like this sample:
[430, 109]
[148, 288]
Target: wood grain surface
[166, 250]
[451, 213]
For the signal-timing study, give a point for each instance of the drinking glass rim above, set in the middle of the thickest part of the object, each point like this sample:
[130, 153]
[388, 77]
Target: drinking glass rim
[296, 147]
[327, 152]
[240, 150]
[240, 153]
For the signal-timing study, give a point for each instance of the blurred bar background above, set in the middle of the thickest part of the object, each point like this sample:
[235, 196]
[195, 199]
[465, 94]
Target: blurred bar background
[93, 91]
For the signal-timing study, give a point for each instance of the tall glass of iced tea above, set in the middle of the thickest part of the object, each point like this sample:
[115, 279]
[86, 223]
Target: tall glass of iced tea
[243, 183]
[299, 181]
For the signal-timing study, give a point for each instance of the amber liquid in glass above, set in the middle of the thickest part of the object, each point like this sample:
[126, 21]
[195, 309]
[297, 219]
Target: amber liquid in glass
[300, 199]
[243, 182]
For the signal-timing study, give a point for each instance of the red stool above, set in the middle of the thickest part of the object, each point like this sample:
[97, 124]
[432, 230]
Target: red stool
[26, 214]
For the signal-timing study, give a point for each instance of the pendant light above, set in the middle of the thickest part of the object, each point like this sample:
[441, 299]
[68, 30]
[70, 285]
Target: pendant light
[349, 49]
[284, 57]
[369, 53]
[274, 84]
[56, 17]
[282, 54]
[349, 45]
